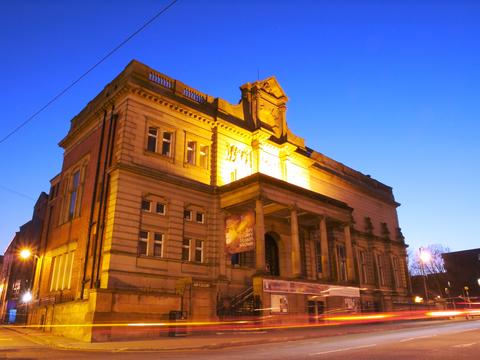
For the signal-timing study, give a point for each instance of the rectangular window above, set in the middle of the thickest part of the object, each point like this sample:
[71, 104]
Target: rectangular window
[160, 208]
[199, 251]
[342, 263]
[68, 270]
[62, 266]
[191, 152]
[186, 250]
[152, 139]
[146, 205]
[380, 270]
[143, 243]
[395, 269]
[158, 245]
[74, 194]
[200, 217]
[53, 284]
[167, 144]
[204, 157]
[318, 256]
[363, 267]
[187, 215]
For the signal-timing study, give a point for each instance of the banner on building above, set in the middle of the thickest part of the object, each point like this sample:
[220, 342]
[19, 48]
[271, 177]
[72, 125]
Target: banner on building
[296, 287]
[240, 232]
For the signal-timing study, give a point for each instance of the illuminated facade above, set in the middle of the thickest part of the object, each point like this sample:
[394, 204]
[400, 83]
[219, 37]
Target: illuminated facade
[170, 199]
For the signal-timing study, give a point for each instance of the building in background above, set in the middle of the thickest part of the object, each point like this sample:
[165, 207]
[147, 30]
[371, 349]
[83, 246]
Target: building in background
[463, 273]
[16, 273]
[172, 200]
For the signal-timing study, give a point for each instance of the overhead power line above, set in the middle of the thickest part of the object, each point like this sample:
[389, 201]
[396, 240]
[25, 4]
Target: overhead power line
[16, 192]
[56, 97]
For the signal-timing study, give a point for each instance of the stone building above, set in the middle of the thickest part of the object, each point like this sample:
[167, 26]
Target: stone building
[16, 274]
[170, 199]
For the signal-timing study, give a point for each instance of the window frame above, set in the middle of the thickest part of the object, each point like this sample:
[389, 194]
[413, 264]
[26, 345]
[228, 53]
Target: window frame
[341, 262]
[144, 240]
[160, 241]
[164, 212]
[200, 249]
[145, 201]
[186, 249]
[170, 143]
[190, 215]
[202, 221]
[152, 136]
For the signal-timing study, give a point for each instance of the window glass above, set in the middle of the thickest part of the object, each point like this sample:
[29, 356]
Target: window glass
[198, 250]
[152, 139]
[74, 194]
[167, 144]
[143, 243]
[187, 215]
[204, 157]
[191, 152]
[146, 205]
[160, 208]
[158, 245]
[186, 250]
[200, 217]
[342, 266]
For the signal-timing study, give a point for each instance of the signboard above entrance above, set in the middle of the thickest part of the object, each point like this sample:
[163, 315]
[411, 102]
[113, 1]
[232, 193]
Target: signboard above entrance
[296, 287]
[240, 232]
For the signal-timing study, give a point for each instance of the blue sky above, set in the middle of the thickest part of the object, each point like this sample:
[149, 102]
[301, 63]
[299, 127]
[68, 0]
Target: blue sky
[389, 88]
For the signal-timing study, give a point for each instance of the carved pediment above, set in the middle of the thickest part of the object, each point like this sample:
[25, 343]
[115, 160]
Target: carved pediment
[272, 87]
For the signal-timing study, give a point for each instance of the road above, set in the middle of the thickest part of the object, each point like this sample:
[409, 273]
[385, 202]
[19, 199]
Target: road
[455, 340]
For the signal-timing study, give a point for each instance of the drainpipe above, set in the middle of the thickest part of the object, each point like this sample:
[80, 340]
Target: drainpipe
[105, 192]
[92, 206]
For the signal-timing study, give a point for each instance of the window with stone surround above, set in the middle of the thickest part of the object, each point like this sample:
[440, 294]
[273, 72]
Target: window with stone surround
[341, 262]
[362, 262]
[167, 144]
[186, 249]
[152, 139]
[191, 152]
[142, 243]
[61, 271]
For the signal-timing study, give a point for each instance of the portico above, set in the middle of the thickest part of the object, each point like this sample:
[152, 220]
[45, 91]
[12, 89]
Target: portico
[292, 227]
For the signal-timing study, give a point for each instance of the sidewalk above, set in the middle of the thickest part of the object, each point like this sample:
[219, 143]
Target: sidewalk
[215, 341]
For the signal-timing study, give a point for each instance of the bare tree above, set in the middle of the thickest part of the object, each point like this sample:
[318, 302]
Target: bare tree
[434, 266]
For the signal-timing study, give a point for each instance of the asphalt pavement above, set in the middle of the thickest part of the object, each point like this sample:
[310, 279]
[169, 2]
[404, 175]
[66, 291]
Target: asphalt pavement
[416, 340]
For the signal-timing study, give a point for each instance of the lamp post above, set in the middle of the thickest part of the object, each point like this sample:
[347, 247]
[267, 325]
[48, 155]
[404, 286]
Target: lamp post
[26, 254]
[425, 257]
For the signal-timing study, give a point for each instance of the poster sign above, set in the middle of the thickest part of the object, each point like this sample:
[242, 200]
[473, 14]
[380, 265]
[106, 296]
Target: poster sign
[279, 303]
[296, 287]
[240, 232]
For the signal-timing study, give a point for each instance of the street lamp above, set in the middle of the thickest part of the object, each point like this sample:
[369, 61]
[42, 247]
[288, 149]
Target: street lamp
[27, 254]
[425, 257]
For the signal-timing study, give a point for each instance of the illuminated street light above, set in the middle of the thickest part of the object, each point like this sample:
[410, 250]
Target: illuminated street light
[27, 297]
[418, 299]
[425, 257]
[25, 254]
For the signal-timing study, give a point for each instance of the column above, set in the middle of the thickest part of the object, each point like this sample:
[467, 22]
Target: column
[349, 253]
[324, 248]
[259, 237]
[220, 232]
[295, 242]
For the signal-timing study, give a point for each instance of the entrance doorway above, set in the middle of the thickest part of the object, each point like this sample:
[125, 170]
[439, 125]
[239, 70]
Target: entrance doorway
[272, 265]
[315, 310]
